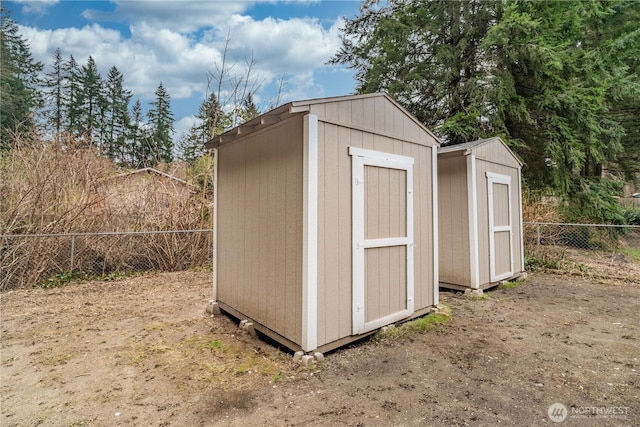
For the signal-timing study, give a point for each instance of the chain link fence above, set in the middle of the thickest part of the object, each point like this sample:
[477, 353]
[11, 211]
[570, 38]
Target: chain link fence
[48, 259]
[607, 251]
[604, 251]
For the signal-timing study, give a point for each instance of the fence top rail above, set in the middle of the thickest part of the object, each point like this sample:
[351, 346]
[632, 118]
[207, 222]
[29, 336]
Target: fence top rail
[582, 225]
[107, 233]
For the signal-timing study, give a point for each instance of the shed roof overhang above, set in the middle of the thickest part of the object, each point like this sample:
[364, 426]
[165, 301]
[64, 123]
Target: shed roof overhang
[267, 119]
[468, 148]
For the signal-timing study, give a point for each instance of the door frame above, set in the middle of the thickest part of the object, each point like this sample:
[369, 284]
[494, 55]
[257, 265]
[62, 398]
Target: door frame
[494, 178]
[359, 159]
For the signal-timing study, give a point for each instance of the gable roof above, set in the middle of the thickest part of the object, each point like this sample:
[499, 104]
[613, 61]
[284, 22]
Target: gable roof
[287, 110]
[469, 147]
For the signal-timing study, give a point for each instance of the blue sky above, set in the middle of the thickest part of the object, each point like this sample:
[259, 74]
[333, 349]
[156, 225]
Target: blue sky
[181, 43]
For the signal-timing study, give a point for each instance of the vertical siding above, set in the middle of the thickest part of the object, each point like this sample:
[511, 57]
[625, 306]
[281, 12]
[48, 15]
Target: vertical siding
[334, 210]
[375, 113]
[484, 166]
[384, 269]
[453, 217]
[260, 227]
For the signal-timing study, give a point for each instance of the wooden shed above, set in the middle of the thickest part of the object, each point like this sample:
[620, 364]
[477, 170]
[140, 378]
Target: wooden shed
[325, 226]
[480, 211]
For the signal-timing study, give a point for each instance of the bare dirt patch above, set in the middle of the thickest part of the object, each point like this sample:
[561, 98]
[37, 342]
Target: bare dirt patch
[141, 351]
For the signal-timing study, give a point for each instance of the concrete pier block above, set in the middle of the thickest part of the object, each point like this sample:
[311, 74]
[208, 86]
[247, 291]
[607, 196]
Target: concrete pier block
[473, 292]
[247, 326]
[212, 308]
[307, 360]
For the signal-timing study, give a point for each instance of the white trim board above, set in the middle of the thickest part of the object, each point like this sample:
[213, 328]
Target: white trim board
[359, 159]
[434, 209]
[494, 178]
[310, 234]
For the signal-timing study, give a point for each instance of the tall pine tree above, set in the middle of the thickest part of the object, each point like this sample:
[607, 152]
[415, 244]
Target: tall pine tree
[55, 95]
[427, 55]
[161, 122]
[211, 121]
[91, 102]
[19, 82]
[73, 98]
[117, 121]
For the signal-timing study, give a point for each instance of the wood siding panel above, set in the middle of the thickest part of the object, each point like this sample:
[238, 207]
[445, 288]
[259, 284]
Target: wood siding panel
[482, 167]
[423, 224]
[260, 227]
[385, 278]
[386, 200]
[376, 114]
[334, 218]
[453, 217]
[495, 152]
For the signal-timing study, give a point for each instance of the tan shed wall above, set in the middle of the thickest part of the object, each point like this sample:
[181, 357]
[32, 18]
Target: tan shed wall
[374, 115]
[453, 217]
[260, 227]
[482, 167]
[334, 210]
[496, 153]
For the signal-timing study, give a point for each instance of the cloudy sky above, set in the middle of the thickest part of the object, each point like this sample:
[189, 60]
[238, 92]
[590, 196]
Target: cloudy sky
[182, 44]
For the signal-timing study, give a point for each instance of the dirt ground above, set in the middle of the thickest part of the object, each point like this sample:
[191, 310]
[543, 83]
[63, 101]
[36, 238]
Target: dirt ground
[142, 351]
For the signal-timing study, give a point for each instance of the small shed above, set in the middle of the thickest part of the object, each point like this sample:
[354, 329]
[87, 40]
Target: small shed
[325, 220]
[480, 211]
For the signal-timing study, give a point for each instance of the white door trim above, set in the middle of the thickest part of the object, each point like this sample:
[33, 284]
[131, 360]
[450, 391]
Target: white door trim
[359, 159]
[494, 178]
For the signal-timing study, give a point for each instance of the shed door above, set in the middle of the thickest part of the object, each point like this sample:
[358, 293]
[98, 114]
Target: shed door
[382, 221]
[500, 227]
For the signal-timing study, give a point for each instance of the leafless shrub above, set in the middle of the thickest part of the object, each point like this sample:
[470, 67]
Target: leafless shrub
[68, 188]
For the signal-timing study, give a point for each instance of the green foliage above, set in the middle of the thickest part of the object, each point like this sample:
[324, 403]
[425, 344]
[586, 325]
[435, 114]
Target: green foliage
[542, 263]
[161, 126]
[212, 120]
[427, 55]
[511, 284]
[595, 200]
[557, 80]
[19, 84]
[421, 324]
[61, 279]
[631, 215]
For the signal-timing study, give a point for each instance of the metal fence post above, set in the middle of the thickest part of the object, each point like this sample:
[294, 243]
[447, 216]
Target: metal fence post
[73, 252]
[537, 240]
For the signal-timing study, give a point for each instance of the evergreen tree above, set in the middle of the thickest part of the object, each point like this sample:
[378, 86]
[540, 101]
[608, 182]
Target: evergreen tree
[211, 121]
[55, 95]
[249, 109]
[161, 125]
[554, 81]
[117, 115]
[427, 55]
[19, 82]
[139, 152]
[73, 97]
[558, 80]
[91, 101]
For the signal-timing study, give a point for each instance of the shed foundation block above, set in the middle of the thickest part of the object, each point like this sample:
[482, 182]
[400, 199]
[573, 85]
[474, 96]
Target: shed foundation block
[474, 293]
[212, 308]
[247, 326]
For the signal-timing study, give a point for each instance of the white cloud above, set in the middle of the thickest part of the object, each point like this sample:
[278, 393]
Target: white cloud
[180, 16]
[37, 7]
[177, 43]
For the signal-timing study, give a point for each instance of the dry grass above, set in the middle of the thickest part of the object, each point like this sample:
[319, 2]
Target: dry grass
[68, 188]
